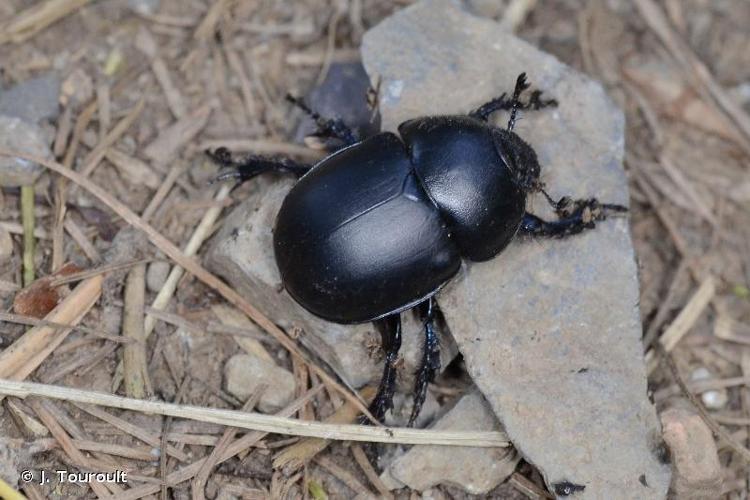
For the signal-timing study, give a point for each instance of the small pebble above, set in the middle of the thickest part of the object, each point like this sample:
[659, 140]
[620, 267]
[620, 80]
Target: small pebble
[156, 275]
[144, 6]
[33, 100]
[244, 373]
[713, 400]
[695, 460]
[6, 246]
[19, 135]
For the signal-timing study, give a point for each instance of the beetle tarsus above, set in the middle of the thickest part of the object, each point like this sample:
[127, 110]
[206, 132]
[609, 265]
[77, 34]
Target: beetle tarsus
[574, 216]
[327, 127]
[430, 366]
[250, 166]
[505, 103]
[390, 333]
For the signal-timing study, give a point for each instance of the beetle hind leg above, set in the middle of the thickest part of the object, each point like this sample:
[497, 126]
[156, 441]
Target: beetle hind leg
[430, 365]
[574, 216]
[248, 167]
[390, 332]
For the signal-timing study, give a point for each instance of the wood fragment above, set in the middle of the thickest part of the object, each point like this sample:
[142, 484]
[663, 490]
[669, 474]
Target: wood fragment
[135, 368]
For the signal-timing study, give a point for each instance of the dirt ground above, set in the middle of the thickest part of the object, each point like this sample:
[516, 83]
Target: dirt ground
[217, 72]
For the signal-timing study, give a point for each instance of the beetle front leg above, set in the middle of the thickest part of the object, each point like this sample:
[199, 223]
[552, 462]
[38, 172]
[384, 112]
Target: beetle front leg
[430, 366]
[327, 127]
[574, 216]
[505, 103]
[390, 333]
[250, 166]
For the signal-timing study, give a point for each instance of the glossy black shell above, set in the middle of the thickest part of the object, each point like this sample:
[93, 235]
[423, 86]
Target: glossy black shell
[381, 225]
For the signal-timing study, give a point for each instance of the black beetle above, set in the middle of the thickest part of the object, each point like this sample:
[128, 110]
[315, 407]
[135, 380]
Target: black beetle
[380, 225]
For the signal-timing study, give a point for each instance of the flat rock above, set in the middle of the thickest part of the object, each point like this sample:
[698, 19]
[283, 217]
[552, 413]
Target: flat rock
[244, 373]
[697, 473]
[33, 100]
[475, 470]
[550, 330]
[19, 135]
[242, 253]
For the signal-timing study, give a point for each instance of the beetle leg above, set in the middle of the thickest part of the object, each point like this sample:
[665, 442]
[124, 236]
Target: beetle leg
[250, 166]
[326, 127]
[390, 332]
[574, 216]
[430, 366]
[504, 103]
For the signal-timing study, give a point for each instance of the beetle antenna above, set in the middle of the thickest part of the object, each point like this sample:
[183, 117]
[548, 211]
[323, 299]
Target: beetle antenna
[521, 85]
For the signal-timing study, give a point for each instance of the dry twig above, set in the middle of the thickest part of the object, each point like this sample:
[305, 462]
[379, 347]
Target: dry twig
[260, 422]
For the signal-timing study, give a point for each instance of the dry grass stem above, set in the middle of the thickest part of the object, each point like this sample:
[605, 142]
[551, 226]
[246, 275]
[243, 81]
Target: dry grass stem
[27, 216]
[259, 422]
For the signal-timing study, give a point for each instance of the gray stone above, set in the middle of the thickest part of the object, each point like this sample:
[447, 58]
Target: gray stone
[157, 274]
[6, 246]
[33, 100]
[343, 94]
[242, 252]
[550, 330]
[23, 137]
[244, 373]
[476, 470]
